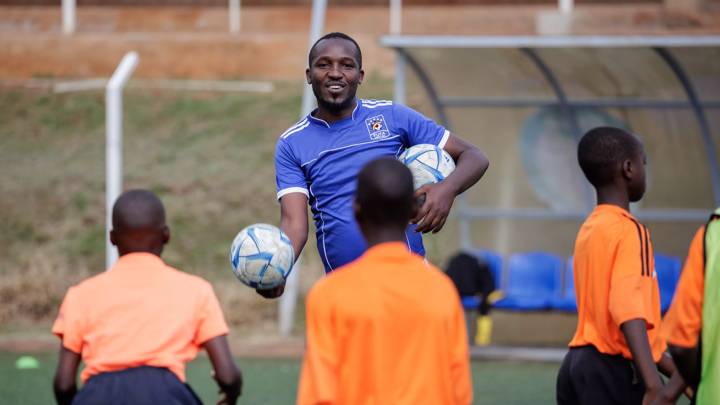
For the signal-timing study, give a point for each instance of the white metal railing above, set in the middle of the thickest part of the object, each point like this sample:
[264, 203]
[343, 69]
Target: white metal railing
[68, 16]
[395, 17]
[234, 16]
[565, 6]
[113, 144]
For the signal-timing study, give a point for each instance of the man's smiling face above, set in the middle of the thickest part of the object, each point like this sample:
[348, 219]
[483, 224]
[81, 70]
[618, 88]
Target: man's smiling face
[335, 74]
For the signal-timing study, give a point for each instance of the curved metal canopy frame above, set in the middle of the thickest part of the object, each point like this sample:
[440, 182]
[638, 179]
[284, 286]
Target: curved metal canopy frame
[568, 110]
[697, 107]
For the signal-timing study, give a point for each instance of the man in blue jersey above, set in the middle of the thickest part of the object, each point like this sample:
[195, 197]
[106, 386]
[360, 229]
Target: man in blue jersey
[317, 159]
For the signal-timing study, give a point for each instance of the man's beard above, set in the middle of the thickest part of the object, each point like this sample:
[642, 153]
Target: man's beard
[334, 107]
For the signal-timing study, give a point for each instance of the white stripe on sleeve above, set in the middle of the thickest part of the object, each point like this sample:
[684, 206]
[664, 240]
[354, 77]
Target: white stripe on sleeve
[290, 190]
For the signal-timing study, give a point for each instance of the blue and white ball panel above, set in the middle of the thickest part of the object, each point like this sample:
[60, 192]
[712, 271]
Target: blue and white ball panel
[261, 256]
[428, 164]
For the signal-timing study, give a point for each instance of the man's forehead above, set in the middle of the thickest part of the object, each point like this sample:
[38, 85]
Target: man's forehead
[337, 47]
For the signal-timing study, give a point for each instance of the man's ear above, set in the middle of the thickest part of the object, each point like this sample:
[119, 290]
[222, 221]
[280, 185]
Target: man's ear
[307, 76]
[113, 237]
[166, 235]
[362, 77]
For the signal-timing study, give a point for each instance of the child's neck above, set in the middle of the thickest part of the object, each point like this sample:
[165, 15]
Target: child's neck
[613, 196]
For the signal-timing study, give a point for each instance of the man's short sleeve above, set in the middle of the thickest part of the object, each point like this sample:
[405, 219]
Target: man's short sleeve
[289, 177]
[68, 325]
[417, 128]
[631, 284]
[683, 321]
[210, 322]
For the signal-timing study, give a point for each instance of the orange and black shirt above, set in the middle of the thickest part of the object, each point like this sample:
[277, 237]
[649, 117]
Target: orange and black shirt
[615, 282]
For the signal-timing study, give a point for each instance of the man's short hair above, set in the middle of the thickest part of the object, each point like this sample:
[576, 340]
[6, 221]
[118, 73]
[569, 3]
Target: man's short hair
[385, 193]
[602, 149]
[340, 35]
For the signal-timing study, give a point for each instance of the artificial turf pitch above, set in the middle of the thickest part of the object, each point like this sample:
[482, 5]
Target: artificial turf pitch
[274, 381]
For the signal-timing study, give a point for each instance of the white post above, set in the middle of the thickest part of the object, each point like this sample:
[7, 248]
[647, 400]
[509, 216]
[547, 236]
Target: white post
[113, 144]
[565, 6]
[288, 301]
[234, 15]
[395, 17]
[399, 77]
[317, 24]
[68, 16]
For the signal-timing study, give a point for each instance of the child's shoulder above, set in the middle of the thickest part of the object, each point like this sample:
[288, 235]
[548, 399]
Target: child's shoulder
[610, 229]
[190, 280]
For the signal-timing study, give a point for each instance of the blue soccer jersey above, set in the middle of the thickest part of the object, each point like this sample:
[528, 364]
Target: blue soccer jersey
[322, 160]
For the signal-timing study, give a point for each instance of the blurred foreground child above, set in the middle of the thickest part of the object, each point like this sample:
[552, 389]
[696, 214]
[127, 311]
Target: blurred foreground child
[136, 325]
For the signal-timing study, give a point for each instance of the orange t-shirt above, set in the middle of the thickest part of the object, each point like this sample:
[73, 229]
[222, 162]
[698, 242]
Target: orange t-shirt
[385, 329]
[615, 282]
[682, 323]
[139, 313]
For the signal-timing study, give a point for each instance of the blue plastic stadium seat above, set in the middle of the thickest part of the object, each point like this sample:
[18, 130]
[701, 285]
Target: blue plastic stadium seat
[470, 302]
[565, 299]
[494, 261]
[533, 280]
[668, 270]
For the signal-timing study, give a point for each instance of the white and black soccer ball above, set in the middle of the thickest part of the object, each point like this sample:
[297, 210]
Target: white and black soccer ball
[428, 164]
[262, 256]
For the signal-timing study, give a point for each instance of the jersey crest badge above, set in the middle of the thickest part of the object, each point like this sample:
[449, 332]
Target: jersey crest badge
[377, 128]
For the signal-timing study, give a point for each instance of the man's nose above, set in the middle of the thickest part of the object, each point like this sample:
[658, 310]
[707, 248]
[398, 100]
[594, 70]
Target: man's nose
[335, 71]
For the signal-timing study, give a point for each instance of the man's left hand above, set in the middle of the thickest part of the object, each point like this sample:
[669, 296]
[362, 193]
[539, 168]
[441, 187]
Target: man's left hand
[439, 198]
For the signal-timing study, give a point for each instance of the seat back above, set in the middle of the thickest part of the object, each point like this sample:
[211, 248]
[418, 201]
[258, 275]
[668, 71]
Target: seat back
[494, 261]
[569, 281]
[534, 274]
[668, 270]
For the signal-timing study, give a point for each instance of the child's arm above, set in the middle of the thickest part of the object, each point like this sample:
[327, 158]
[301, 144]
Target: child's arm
[65, 385]
[637, 339]
[672, 390]
[687, 363]
[227, 375]
[666, 365]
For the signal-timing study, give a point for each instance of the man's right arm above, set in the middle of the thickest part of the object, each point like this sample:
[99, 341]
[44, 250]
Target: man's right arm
[294, 219]
[294, 222]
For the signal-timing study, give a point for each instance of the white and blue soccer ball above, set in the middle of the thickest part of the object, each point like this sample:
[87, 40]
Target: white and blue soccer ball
[262, 256]
[428, 163]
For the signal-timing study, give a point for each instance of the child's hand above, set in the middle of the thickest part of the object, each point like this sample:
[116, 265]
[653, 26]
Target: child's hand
[651, 396]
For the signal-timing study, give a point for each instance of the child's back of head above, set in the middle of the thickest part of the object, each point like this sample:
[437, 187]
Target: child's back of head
[613, 161]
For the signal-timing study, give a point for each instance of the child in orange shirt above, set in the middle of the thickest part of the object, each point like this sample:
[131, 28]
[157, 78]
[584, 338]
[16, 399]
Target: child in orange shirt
[136, 325]
[613, 355]
[387, 328]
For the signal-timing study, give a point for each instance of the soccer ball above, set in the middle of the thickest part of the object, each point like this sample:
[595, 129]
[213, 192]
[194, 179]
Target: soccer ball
[262, 256]
[428, 164]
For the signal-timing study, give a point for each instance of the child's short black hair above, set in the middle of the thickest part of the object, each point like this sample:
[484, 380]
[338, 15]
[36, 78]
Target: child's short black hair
[339, 35]
[602, 149]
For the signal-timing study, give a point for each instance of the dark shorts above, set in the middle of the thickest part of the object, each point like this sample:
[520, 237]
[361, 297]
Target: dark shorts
[139, 385]
[589, 377]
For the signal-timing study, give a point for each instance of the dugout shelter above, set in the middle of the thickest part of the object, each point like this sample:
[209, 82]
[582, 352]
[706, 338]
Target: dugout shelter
[526, 101]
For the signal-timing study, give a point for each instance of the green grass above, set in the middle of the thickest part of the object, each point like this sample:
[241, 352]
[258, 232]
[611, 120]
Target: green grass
[274, 381]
